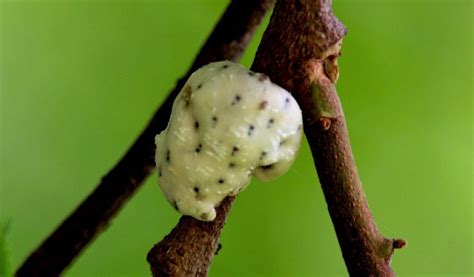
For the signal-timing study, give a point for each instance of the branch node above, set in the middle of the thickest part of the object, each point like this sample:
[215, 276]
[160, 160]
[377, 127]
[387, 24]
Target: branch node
[329, 57]
[325, 123]
[399, 243]
[331, 68]
[324, 107]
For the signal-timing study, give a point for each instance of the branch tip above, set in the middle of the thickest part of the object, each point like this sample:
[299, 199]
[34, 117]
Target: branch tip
[399, 243]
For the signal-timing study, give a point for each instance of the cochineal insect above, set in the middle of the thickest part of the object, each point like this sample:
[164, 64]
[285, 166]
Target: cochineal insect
[227, 124]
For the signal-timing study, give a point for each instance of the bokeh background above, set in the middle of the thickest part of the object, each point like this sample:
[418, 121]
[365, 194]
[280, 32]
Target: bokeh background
[80, 79]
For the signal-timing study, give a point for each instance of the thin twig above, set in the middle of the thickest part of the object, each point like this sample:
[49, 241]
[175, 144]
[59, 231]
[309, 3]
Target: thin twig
[299, 51]
[227, 41]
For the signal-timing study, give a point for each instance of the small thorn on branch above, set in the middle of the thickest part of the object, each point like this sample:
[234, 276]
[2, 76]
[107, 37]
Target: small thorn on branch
[399, 243]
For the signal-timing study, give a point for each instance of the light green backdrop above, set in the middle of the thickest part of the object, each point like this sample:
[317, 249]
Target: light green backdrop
[79, 80]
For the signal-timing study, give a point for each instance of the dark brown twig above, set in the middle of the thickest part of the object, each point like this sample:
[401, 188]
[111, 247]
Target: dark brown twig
[299, 51]
[228, 40]
[304, 37]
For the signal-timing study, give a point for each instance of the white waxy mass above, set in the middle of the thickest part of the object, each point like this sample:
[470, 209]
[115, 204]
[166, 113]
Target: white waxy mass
[227, 124]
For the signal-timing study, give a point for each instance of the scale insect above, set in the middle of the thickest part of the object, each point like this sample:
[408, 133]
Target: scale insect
[227, 124]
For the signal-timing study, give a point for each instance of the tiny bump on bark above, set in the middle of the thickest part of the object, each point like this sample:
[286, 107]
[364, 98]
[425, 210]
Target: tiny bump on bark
[231, 165]
[235, 149]
[325, 123]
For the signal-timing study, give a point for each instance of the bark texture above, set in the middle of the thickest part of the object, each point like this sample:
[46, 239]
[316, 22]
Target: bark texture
[299, 52]
[189, 248]
[227, 42]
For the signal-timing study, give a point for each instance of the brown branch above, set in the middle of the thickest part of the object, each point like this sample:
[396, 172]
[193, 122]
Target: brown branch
[299, 51]
[189, 248]
[303, 36]
[227, 41]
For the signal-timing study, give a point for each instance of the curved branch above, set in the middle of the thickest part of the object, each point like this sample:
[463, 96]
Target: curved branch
[227, 42]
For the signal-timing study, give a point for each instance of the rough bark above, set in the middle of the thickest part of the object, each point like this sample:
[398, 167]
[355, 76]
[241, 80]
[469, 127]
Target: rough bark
[299, 52]
[189, 248]
[227, 41]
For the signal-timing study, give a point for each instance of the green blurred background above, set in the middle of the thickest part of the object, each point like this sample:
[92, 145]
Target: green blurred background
[80, 79]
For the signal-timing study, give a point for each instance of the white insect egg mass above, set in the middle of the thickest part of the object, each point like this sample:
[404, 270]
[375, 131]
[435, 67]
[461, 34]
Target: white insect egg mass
[227, 124]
